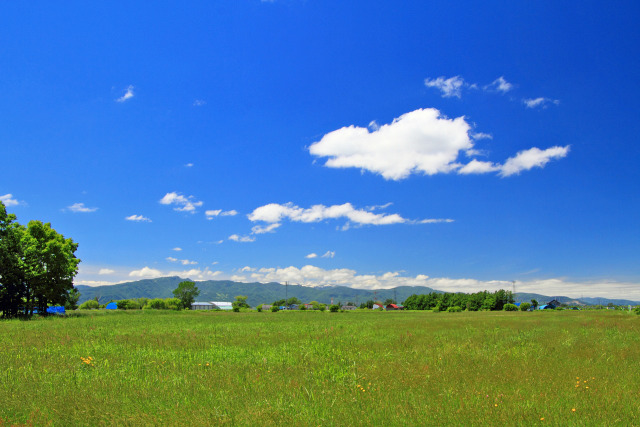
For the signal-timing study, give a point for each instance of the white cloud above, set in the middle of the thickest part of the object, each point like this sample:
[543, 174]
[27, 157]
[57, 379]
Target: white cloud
[500, 85]
[104, 271]
[539, 102]
[329, 254]
[188, 165]
[137, 218]
[181, 261]
[80, 208]
[8, 200]
[274, 213]
[127, 95]
[210, 214]
[199, 103]
[247, 268]
[477, 167]
[479, 135]
[421, 141]
[312, 255]
[146, 272]
[177, 249]
[242, 239]
[449, 87]
[258, 229]
[182, 203]
[534, 157]
[314, 276]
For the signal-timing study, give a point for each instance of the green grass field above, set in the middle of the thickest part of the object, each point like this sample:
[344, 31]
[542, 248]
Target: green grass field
[310, 368]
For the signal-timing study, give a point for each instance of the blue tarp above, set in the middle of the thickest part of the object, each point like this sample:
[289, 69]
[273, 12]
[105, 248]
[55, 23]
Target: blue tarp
[58, 309]
[112, 306]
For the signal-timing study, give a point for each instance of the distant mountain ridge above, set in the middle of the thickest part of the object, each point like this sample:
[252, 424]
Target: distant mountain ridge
[258, 293]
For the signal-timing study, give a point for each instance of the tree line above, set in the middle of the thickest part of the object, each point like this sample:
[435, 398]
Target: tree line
[489, 301]
[37, 267]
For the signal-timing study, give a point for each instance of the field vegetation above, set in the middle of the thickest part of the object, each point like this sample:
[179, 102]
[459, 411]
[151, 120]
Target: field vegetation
[140, 367]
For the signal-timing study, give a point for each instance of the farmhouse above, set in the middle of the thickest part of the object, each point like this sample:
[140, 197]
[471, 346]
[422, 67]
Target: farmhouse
[348, 307]
[391, 307]
[220, 305]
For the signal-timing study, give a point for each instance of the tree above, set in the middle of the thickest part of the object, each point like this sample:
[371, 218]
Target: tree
[525, 306]
[534, 303]
[293, 300]
[186, 292]
[240, 302]
[37, 267]
[389, 301]
[72, 299]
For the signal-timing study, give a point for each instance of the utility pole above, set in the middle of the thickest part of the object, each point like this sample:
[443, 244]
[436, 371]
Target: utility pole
[286, 291]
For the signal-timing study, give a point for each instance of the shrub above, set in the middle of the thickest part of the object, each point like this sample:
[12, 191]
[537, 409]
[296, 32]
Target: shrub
[637, 310]
[156, 304]
[275, 308]
[454, 309]
[302, 307]
[173, 303]
[525, 306]
[123, 304]
[89, 305]
[259, 308]
[510, 307]
[334, 308]
[236, 309]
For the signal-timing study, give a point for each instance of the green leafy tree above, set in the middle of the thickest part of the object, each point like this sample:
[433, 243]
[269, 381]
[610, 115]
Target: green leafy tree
[72, 299]
[240, 302]
[535, 304]
[334, 308]
[293, 300]
[525, 306]
[13, 287]
[186, 292]
[389, 301]
[510, 307]
[37, 266]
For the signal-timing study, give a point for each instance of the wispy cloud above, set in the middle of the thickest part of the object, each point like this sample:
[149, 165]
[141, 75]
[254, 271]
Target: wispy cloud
[105, 271]
[127, 95]
[181, 261]
[177, 249]
[312, 255]
[539, 102]
[532, 158]
[499, 85]
[449, 87]
[146, 272]
[275, 213]
[80, 208]
[329, 254]
[242, 239]
[8, 200]
[137, 218]
[182, 203]
[199, 103]
[210, 214]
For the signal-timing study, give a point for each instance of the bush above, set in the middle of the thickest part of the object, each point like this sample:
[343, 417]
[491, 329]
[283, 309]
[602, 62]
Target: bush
[89, 305]
[123, 304]
[275, 308]
[259, 308]
[174, 303]
[637, 310]
[510, 307]
[236, 309]
[454, 309]
[525, 306]
[334, 308]
[156, 304]
[302, 307]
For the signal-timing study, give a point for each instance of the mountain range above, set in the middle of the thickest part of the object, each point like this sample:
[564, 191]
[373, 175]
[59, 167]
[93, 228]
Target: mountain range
[259, 293]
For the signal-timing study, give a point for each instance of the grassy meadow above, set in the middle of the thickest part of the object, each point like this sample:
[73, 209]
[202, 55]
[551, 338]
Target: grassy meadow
[311, 368]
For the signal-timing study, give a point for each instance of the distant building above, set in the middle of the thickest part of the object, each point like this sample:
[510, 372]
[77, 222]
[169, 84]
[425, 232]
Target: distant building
[391, 307]
[348, 307]
[308, 306]
[377, 306]
[219, 305]
[202, 306]
[266, 307]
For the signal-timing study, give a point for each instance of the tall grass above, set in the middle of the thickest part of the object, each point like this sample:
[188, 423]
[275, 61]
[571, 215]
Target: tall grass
[307, 368]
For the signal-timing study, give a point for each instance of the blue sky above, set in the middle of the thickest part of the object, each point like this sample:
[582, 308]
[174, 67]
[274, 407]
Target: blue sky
[369, 144]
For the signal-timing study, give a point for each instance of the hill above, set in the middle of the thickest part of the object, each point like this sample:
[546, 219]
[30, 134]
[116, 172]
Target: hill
[258, 293]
